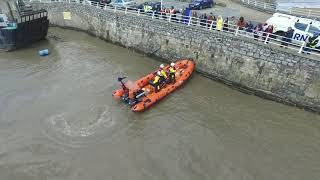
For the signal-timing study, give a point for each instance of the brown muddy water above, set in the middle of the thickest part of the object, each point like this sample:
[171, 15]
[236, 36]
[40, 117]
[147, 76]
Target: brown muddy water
[58, 121]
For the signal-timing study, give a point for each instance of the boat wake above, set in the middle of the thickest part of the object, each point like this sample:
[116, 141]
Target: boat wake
[64, 129]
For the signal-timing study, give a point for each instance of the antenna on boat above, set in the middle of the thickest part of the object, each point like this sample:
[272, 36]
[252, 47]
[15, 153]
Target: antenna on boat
[121, 78]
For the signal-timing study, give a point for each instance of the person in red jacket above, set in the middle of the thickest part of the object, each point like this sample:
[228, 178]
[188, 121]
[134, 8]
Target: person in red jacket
[269, 31]
[241, 23]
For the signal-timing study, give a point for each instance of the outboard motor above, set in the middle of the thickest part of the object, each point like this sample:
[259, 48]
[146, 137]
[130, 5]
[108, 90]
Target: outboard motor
[125, 98]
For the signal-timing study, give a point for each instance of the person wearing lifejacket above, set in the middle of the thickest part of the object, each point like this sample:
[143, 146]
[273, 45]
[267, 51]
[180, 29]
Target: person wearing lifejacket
[313, 41]
[161, 67]
[163, 74]
[156, 82]
[172, 73]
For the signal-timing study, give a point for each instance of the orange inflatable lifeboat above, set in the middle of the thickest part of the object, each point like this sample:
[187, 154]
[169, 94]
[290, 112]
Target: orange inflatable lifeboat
[141, 95]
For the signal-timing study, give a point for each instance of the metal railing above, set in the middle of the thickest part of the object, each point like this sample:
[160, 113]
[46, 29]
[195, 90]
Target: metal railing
[272, 7]
[205, 24]
[31, 16]
[312, 13]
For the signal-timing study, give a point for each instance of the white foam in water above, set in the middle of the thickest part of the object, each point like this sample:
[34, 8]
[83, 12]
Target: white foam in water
[60, 124]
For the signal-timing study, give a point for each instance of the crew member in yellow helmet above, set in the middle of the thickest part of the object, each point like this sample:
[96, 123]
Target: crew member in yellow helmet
[172, 73]
[156, 82]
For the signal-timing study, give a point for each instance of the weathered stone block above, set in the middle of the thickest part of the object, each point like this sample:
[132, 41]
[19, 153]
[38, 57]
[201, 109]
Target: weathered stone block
[278, 61]
[256, 55]
[250, 54]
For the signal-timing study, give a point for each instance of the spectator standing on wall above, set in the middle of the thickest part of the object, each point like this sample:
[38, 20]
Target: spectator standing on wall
[269, 31]
[257, 31]
[210, 18]
[173, 13]
[219, 23]
[195, 18]
[264, 27]
[241, 23]
[163, 13]
[249, 28]
[287, 37]
[203, 19]
[232, 24]
[225, 24]
[183, 11]
[214, 20]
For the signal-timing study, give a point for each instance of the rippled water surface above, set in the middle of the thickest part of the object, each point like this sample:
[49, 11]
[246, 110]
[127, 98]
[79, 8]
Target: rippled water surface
[58, 121]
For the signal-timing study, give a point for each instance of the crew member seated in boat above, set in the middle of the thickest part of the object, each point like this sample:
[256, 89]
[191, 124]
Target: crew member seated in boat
[156, 81]
[172, 73]
[163, 75]
[161, 67]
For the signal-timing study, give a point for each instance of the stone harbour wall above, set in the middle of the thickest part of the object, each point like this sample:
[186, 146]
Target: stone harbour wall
[261, 69]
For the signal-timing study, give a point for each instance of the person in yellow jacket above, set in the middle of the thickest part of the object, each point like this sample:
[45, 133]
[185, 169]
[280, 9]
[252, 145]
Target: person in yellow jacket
[172, 71]
[147, 8]
[163, 74]
[162, 71]
[219, 23]
[315, 41]
[312, 43]
[156, 82]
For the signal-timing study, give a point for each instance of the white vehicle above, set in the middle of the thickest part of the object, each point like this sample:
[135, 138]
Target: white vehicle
[3, 20]
[123, 3]
[303, 27]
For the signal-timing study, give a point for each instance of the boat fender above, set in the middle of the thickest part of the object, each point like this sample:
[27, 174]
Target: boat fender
[44, 52]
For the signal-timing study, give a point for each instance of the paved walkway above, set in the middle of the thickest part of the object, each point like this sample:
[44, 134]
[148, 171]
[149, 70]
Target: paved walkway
[231, 9]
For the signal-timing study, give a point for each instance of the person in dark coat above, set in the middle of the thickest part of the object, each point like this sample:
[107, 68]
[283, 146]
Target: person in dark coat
[257, 31]
[210, 18]
[249, 28]
[225, 24]
[287, 38]
[204, 19]
[214, 20]
[269, 31]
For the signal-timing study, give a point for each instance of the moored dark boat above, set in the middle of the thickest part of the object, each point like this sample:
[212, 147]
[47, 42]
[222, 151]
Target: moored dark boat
[25, 28]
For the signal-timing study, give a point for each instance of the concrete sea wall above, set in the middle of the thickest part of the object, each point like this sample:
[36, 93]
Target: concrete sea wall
[264, 70]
